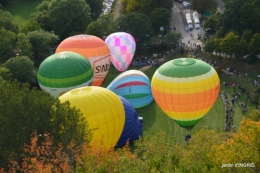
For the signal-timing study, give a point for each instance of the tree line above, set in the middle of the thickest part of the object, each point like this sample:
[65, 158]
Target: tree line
[237, 30]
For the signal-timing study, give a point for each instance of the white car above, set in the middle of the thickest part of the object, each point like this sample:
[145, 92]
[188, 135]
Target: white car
[197, 23]
[189, 24]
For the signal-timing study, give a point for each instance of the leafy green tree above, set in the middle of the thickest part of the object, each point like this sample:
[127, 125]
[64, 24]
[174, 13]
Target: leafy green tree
[103, 26]
[241, 49]
[6, 21]
[76, 12]
[173, 37]
[50, 15]
[255, 115]
[198, 151]
[21, 68]
[160, 17]
[209, 46]
[41, 42]
[24, 47]
[139, 26]
[140, 6]
[24, 111]
[5, 74]
[240, 15]
[217, 42]
[253, 47]
[211, 22]
[31, 25]
[201, 6]
[7, 44]
[95, 6]
[153, 4]
[122, 23]
[42, 15]
[229, 43]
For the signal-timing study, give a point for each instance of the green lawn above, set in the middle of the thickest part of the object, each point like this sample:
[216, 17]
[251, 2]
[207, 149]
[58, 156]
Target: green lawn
[155, 120]
[22, 9]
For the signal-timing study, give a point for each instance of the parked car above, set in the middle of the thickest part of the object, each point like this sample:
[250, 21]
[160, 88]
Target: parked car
[197, 23]
[189, 24]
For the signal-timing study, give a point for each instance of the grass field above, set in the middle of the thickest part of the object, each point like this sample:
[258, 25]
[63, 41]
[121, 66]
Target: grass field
[155, 120]
[22, 9]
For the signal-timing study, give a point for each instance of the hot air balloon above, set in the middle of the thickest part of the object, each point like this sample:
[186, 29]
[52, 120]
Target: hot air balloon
[64, 71]
[92, 48]
[103, 111]
[122, 48]
[133, 126]
[185, 89]
[133, 85]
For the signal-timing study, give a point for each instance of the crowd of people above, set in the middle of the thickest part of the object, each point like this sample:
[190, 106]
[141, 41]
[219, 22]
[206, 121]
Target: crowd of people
[238, 92]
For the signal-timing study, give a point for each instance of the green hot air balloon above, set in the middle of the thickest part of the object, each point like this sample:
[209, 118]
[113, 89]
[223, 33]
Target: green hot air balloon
[64, 71]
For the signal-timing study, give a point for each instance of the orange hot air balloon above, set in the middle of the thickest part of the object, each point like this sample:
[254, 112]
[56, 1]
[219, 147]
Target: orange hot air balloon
[92, 48]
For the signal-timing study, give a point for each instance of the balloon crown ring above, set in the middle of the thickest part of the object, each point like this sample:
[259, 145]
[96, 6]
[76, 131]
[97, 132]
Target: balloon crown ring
[184, 61]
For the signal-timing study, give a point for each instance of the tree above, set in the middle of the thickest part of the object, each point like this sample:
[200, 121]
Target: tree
[209, 46]
[76, 12]
[255, 115]
[198, 151]
[24, 111]
[153, 4]
[173, 37]
[160, 17]
[31, 25]
[41, 44]
[137, 6]
[201, 6]
[6, 21]
[139, 26]
[253, 47]
[50, 15]
[42, 15]
[211, 22]
[21, 68]
[241, 151]
[103, 26]
[95, 6]
[7, 44]
[24, 47]
[229, 43]
[240, 15]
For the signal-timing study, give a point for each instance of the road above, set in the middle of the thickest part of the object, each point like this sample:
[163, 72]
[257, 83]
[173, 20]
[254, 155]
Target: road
[221, 6]
[178, 23]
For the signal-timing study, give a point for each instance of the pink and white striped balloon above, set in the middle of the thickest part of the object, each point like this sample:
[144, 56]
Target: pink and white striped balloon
[122, 48]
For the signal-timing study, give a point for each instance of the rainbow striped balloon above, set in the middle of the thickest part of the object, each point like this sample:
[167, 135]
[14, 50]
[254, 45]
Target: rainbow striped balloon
[133, 85]
[185, 89]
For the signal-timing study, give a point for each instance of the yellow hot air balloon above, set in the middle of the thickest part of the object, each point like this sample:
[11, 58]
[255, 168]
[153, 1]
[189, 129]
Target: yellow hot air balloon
[185, 89]
[103, 110]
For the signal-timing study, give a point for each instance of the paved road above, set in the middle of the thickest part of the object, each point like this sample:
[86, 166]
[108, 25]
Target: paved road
[178, 23]
[221, 7]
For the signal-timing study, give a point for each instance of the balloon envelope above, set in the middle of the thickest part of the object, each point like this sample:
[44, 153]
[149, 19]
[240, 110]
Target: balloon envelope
[133, 85]
[64, 71]
[185, 89]
[122, 48]
[103, 110]
[133, 126]
[92, 48]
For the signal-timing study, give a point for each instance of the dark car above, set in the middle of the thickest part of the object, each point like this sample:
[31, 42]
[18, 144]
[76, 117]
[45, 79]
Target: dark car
[210, 31]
